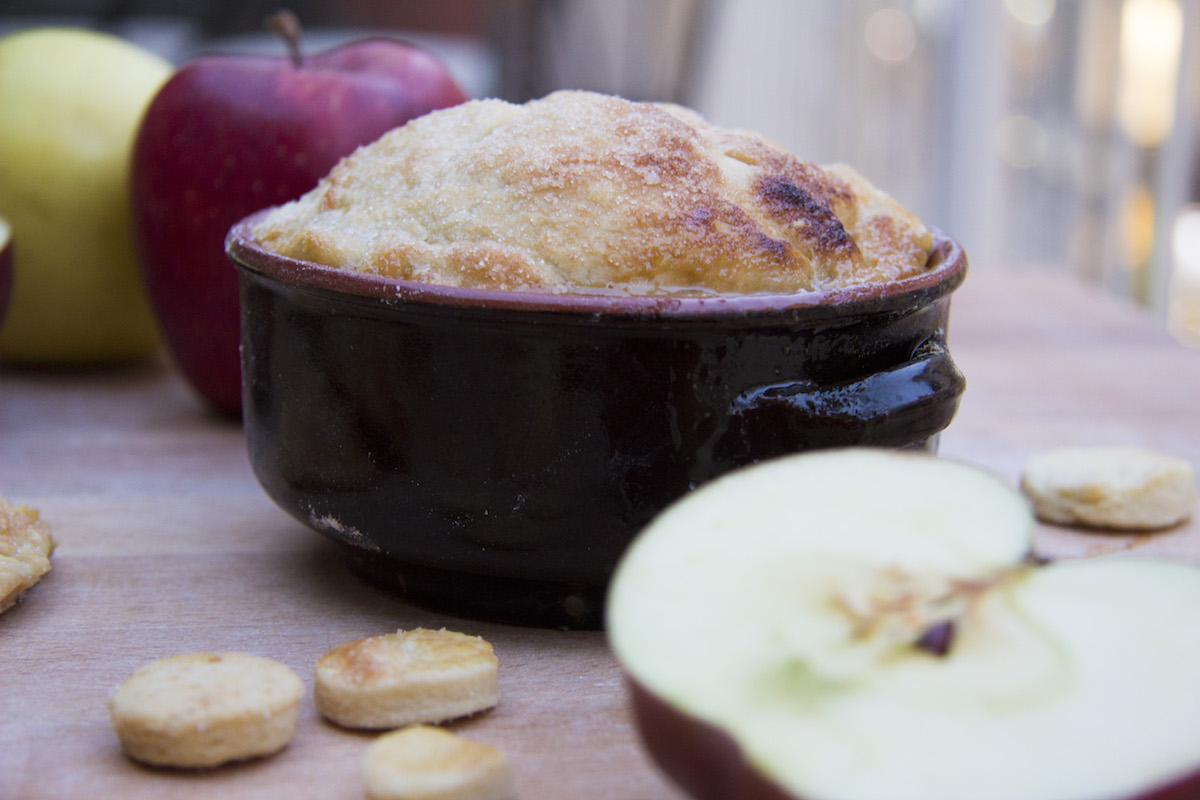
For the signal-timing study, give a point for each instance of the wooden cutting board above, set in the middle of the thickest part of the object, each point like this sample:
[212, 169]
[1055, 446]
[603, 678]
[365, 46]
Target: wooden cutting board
[167, 544]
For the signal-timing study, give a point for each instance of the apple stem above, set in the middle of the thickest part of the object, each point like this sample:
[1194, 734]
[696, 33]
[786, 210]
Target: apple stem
[286, 25]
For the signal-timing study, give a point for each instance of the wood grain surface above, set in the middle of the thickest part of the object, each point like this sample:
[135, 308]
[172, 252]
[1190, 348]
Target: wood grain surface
[167, 544]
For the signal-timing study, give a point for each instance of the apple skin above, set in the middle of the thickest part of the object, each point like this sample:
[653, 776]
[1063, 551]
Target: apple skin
[702, 759]
[73, 99]
[707, 763]
[231, 134]
[6, 267]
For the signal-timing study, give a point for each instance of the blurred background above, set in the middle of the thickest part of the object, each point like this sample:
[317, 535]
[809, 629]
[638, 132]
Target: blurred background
[1054, 134]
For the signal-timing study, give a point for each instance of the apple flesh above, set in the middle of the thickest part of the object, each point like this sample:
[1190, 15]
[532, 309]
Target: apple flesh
[231, 134]
[868, 625]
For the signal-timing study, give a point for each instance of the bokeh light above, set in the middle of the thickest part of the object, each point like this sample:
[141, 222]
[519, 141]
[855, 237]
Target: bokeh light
[1030, 12]
[1021, 141]
[891, 35]
[1151, 38]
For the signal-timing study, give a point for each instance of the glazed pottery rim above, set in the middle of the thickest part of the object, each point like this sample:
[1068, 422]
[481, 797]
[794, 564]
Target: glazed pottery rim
[946, 269]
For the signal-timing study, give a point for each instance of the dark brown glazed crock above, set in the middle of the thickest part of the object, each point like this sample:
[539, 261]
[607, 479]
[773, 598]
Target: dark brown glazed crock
[491, 453]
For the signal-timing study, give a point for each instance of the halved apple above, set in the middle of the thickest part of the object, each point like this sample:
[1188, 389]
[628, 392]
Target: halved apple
[869, 625]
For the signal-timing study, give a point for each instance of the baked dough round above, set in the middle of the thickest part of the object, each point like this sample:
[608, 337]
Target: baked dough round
[204, 709]
[1117, 488]
[421, 762]
[25, 547]
[407, 677]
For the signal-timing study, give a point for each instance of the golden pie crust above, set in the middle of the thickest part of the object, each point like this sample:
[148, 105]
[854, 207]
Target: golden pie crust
[582, 191]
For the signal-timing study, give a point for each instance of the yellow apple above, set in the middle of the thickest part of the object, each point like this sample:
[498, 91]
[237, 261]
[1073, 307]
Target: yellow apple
[72, 100]
[5, 266]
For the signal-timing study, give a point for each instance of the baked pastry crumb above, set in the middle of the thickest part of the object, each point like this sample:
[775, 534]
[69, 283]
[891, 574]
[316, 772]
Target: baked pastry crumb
[197, 710]
[421, 762]
[406, 677]
[25, 548]
[582, 191]
[1115, 488]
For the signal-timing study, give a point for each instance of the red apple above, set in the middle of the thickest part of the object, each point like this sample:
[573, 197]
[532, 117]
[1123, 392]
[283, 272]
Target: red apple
[868, 625]
[228, 135]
